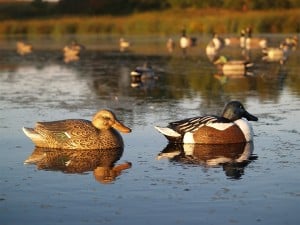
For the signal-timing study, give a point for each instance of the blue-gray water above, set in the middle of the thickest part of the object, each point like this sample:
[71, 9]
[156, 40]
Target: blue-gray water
[41, 87]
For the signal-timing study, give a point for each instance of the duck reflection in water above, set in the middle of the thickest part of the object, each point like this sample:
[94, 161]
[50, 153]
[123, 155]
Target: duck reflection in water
[100, 161]
[232, 157]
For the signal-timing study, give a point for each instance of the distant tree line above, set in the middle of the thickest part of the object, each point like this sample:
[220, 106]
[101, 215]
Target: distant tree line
[40, 8]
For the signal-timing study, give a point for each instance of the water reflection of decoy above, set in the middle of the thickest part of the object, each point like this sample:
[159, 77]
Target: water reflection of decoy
[123, 44]
[23, 48]
[100, 133]
[100, 161]
[234, 68]
[72, 52]
[231, 127]
[232, 157]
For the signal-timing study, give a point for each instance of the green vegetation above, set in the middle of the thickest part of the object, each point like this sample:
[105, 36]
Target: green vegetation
[167, 22]
[134, 17]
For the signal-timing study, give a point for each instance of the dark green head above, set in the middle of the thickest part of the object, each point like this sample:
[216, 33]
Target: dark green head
[234, 110]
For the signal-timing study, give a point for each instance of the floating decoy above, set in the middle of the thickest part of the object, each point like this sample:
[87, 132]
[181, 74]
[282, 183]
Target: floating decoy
[123, 44]
[72, 52]
[100, 133]
[276, 54]
[170, 45]
[23, 48]
[231, 127]
[234, 67]
[142, 73]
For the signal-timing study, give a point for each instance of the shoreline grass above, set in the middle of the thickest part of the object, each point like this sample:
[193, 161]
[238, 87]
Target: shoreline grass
[161, 23]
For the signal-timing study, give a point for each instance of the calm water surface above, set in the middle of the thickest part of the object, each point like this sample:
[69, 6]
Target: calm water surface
[155, 190]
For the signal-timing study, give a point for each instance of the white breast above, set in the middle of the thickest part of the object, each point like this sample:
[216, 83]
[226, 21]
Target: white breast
[246, 128]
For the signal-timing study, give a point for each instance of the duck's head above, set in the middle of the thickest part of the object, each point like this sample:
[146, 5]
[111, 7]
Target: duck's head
[105, 119]
[234, 110]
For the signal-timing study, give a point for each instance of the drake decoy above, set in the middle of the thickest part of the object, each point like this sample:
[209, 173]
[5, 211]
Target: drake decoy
[100, 133]
[233, 67]
[144, 72]
[231, 127]
[23, 48]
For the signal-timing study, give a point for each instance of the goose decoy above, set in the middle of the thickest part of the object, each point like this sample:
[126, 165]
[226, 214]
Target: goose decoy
[100, 133]
[231, 127]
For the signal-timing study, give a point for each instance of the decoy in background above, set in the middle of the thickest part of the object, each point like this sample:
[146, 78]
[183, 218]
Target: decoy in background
[279, 54]
[170, 45]
[231, 127]
[218, 42]
[234, 67]
[143, 72]
[123, 44]
[23, 48]
[72, 52]
[291, 42]
[100, 133]
[184, 42]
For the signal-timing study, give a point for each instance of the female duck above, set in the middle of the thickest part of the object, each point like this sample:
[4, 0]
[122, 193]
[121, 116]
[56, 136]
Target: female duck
[100, 133]
[231, 127]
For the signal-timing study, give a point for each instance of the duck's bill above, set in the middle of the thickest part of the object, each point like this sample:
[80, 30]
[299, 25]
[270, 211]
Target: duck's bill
[250, 117]
[121, 127]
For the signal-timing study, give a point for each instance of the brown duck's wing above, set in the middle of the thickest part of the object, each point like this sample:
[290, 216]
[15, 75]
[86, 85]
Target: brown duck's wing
[66, 129]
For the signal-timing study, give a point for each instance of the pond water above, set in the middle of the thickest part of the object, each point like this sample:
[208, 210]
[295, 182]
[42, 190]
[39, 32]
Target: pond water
[155, 187]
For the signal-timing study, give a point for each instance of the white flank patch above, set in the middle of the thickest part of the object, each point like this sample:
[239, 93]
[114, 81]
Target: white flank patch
[188, 138]
[188, 149]
[246, 128]
[219, 126]
[167, 131]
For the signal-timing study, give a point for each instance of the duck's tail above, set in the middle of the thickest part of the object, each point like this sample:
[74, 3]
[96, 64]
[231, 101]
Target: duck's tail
[170, 134]
[36, 138]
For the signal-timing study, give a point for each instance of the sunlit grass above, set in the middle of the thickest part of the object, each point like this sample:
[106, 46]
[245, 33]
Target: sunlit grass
[161, 23]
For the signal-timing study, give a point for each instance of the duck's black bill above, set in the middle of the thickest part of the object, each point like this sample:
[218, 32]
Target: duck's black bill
[250, 117]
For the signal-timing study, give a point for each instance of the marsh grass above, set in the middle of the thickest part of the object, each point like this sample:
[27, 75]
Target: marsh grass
[160, 23]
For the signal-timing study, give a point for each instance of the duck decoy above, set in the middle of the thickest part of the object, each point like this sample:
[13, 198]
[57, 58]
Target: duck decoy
[170, 45]
[279, 54]
[123, 44]
[231, 127]
[234, 67]
[100, 133]
[23, 48]
[72, 52]
[142, 73]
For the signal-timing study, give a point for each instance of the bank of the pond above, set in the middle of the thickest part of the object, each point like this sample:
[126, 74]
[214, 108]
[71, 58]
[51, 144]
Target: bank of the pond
[161, 23]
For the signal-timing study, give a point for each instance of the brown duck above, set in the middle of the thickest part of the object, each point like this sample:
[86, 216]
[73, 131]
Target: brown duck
[100, 133]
